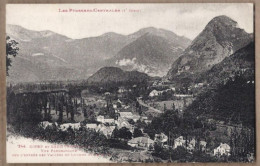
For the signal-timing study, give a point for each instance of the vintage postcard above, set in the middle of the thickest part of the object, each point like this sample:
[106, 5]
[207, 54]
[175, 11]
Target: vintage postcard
[119, 83]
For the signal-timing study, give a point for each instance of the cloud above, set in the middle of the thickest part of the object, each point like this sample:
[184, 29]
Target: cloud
[126, 62]
[133, 64]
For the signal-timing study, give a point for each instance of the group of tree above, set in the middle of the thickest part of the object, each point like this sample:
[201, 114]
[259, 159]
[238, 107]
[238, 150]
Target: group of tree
[11, 51]
[122, 133]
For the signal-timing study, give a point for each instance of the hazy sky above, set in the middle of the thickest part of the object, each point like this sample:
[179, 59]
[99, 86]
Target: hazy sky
[183, 19]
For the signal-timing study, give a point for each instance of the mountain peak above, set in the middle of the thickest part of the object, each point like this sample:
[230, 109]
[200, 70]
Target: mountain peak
[13, 26]
[20, 33]
[149, 29]
[155, 31]
[111, 34]
[219, 39]
[223, 20]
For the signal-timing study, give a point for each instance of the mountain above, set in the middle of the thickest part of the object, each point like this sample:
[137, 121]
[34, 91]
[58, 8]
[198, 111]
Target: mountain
[59, 57]
[220, 38]
[152, 53]
[116, 75]
[37, 59]
[46, 55]
[242, 63]
[232, 102]
[230, 96]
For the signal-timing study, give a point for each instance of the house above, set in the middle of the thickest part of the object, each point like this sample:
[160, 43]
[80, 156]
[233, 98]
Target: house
[179, 142]
[141, 142]
[250, 157]
[125, 106]
[155, 83]
[136, 118]
[203, 145]
[92, 126]
[107, 93]
[199, 85]
[73, 126]
[110, 121]
[45, 124]
[147, 121]
[160, 138]
[115, 106]
[106, 130]
[191, 145]
[119, 101]
[128, 115]
[154, 93]
[121, 90]
[222, 149]
[100, 118]
[183, 95]
[144, 118]
[124, 123]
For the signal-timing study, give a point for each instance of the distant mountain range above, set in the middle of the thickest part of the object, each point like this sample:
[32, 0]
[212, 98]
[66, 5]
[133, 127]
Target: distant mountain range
[46, 55]
[212, 57]
[152, 53]
[220, 38]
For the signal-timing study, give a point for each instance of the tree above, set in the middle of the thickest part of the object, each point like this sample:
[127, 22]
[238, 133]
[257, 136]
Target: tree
[173, 106]
[179, 153]
[137, 133]
[124, 133]
[131, 121]
[60, 108]
[11, 50]
[161, 152]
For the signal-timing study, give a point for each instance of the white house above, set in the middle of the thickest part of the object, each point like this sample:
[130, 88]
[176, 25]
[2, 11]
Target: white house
[100, 118]
[154, 93]
[143, 142]
[107, 93]
[222, 149]
[136, 118]
[203, 145]
[124, 123]
[114, 106]
[147, 121]
[161, 138]
[191, 145]
[45, 124]
[128, 115]
[74, 126]
[109, 121]
[106, 130]
[119, 101]
[179, 142]
[144, 118]
[173, 89]
[92, 126]
[122, 90]
[183, 95]
[199, 85]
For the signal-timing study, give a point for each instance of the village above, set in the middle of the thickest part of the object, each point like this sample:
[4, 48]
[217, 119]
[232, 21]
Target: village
[126, 114]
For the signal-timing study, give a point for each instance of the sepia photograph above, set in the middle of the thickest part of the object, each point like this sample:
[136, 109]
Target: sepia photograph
[130, 83]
